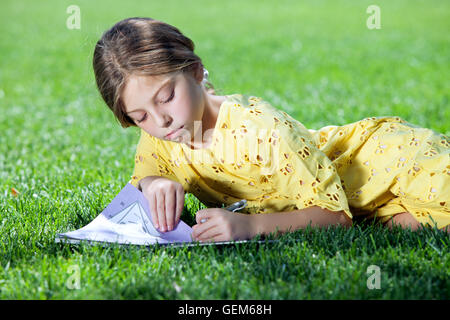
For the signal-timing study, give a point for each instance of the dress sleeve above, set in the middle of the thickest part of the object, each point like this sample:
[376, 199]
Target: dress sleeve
[304, 175]
[148, 161]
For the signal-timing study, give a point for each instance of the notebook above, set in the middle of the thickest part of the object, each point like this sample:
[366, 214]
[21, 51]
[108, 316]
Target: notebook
[127, 221]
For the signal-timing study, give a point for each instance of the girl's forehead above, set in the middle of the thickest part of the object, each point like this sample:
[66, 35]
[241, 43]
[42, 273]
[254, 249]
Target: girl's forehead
[152, 80]
[139, 88]
[146, 80]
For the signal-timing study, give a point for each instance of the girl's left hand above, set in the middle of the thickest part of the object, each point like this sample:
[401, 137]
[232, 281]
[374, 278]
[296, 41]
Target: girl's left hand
[221, 225]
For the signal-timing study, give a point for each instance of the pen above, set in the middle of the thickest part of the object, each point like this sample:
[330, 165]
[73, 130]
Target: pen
[232, 207]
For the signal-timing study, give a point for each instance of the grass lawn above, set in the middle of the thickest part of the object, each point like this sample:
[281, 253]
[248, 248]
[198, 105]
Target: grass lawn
[62, 149]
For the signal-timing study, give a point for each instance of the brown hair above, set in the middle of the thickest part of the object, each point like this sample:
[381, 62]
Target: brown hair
[140, 46]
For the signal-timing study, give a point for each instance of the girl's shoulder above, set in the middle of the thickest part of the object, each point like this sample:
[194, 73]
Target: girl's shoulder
[253, 110]
[256, 106]
[250, 106]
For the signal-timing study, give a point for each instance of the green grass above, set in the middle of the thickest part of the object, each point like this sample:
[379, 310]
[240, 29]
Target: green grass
[64, 151]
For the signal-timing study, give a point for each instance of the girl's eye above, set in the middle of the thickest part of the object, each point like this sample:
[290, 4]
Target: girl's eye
[139, 121]
[170, 98]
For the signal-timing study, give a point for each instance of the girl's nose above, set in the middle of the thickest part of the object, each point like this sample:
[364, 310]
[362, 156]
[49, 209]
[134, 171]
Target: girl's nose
[162, 120]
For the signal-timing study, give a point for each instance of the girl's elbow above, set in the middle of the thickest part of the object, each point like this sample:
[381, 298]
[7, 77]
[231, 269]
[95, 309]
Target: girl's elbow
[344, 220]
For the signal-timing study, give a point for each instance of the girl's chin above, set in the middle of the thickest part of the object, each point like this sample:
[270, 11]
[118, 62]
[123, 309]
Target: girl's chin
[180, 138]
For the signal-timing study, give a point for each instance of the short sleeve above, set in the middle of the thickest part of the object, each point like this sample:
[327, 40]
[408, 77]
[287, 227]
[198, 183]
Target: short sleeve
[148, 161]
[305, 176]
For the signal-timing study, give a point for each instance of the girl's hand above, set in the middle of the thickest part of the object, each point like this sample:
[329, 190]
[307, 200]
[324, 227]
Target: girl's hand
[166, 201]
[222, 225]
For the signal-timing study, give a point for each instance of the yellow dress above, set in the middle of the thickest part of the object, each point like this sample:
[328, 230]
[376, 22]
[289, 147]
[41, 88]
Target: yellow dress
[373, 167]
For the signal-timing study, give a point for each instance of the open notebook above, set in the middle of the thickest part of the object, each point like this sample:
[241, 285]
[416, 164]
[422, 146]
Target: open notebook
[127, 220]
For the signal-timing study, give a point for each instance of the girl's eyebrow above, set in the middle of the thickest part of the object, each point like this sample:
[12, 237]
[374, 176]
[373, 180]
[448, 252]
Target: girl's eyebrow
[155, 94]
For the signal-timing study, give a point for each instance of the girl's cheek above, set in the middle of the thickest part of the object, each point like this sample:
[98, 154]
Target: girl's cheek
[182, 111]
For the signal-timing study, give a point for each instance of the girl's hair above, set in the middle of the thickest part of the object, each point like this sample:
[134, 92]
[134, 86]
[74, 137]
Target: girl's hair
[140, 46]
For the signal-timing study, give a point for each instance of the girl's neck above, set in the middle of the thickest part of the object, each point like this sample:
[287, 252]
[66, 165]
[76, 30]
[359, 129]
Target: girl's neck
[209, 119]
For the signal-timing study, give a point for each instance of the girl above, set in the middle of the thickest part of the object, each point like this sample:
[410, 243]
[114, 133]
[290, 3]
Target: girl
[226, 148]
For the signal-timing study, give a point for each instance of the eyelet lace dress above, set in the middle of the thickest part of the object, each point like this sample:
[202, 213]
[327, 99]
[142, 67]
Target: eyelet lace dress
[376, 167]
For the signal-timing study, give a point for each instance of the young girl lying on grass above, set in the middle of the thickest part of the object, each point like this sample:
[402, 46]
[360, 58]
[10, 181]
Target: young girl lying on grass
[226, 148]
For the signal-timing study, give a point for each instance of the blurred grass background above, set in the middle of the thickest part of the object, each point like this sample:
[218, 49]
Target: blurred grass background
[62, 149]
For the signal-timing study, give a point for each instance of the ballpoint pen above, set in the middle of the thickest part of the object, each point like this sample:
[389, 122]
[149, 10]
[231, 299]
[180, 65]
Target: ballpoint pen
[232, 207]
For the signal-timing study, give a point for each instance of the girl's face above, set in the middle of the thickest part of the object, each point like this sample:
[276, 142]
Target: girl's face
[162, 104]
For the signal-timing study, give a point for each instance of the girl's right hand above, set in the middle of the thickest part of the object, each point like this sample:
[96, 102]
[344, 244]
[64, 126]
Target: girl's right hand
[166, 200]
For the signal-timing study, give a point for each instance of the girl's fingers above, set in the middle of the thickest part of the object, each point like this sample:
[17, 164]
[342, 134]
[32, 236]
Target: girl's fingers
[153, 211]
[160, 205]
[179, 206]
[198, 229]
[211, 234]
[202, 214]
[203, 230]
[170, 208]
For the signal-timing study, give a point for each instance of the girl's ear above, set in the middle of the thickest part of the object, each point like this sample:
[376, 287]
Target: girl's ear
[197, 71]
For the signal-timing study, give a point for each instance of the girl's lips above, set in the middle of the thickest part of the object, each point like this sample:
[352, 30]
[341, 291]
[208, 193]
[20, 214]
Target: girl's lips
[173, 133]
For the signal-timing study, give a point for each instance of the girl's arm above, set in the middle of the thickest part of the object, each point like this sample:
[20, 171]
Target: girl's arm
[223, 225]
[266, 223]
